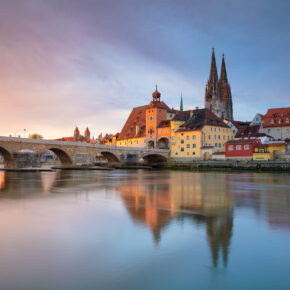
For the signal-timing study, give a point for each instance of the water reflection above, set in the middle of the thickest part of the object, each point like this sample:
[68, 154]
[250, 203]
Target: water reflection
[175, 196]
[157, 199]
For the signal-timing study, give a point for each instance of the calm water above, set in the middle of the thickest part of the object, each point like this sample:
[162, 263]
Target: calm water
[144, 230]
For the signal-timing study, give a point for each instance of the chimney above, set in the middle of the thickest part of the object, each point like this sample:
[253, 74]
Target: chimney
[196, 108]
[243, 136]
[249, 135]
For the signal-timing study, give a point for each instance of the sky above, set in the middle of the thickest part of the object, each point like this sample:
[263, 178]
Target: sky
[67, 63]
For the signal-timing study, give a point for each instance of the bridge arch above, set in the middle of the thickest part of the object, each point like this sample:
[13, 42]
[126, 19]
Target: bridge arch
[154, 159]
[7, 156]
[63, 156]
[163, 143]
[111, 157]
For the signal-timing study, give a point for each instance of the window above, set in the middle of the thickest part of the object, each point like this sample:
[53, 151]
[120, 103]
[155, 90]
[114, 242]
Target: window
[193, 153]
[228, 137]
[176, 153]
[239, 147]
[215, 137]
[160, 131]
[193, 137]
[215, 144]
[220, 145]
[272, 121]
[165, 131]
[246, 147]
[215, 129]
[209, 137]
[187, 137]
[181, 134]
[150, 118]
[219, 129]
[193, 145]
[224, 137]
[287, 121]
[219, 137]
[182, 141]
[182, 149]
[269, 130]
[187, 146]
[211, 128]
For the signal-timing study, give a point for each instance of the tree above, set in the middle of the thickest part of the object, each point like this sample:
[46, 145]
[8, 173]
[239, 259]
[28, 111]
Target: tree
[35, 136]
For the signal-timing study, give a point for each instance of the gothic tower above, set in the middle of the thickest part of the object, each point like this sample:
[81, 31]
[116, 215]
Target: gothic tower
[225, 90]
[213, 99]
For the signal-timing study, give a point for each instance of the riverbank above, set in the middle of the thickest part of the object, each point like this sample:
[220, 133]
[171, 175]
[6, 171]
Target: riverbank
[232, 166]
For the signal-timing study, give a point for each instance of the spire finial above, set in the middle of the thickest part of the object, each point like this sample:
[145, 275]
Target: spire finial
[213, 75]
[156, 85]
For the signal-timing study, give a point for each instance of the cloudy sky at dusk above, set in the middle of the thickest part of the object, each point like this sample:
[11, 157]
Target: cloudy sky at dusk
[88, 62]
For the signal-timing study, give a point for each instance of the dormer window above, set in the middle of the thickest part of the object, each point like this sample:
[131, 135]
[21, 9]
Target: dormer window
[280, 121]
[287, 121]
[272, 121]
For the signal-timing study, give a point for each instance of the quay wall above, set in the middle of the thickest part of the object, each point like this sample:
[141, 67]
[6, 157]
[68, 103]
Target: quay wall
[231, 165]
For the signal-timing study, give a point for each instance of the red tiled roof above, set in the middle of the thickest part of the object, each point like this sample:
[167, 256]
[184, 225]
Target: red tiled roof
[277, 117]
[138, 118]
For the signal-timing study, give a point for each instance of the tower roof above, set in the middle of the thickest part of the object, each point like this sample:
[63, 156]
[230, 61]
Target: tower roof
[213, 75]
[156, 94]
[76, 130]
[87, 131]
[223, 76]
[181, 104]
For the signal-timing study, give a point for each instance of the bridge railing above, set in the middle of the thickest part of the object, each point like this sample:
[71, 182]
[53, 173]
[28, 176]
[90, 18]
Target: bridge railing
[80, 144]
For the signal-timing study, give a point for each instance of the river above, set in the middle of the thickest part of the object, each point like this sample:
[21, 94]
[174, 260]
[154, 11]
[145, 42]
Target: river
[143, 229]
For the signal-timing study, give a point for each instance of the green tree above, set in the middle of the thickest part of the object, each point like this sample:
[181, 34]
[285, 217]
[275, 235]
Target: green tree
[35, 136]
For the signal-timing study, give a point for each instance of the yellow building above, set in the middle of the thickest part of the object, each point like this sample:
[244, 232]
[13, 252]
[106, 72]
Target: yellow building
[270, 151]
[202, 134]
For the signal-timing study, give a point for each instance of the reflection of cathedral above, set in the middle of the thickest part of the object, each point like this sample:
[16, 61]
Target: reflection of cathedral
[157, 205]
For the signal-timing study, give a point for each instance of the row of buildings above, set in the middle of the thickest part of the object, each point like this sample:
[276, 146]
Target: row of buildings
[203, 133]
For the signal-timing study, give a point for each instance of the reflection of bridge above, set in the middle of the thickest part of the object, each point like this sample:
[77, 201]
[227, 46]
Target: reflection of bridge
[67, 151]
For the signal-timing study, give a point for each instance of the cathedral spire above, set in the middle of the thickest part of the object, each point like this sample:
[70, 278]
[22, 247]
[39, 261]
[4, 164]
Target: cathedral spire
[213, 76]
[223, 76]
[181, 103]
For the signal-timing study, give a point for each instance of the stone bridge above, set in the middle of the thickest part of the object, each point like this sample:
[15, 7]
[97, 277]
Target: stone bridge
[67, 152]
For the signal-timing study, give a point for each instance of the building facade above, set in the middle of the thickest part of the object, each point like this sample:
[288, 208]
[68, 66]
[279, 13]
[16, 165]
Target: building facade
[277, 123]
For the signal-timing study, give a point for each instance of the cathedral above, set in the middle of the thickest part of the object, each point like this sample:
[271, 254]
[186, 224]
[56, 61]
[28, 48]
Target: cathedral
[218, 97]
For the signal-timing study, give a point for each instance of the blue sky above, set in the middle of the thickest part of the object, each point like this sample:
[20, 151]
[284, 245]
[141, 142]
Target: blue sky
[87, 63]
